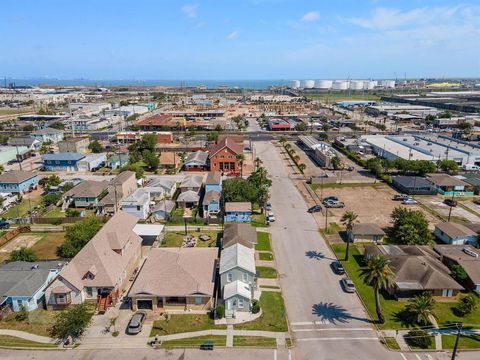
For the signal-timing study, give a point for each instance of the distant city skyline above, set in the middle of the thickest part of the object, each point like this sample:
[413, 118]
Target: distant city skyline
[239, 40]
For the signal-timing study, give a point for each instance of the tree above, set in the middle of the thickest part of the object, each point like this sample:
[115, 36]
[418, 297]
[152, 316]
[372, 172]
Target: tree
[151, 160]
[72, 213]
[378, 275]
[419, 338]
[148, 142]
[259, 179]
[72, 321]
[212, 136]
[336, 162]
[420, 309]
[241, 159]
[51, 199]
[57, 125]
[301, 126]
[416, 233]
[283, 140]
[239, 189]
[348, 219]
[466, 127]
[28, 127]
[374, 165]
[257, 162]
[139, 172]
[458, 273]
[23, 254]
[78, 235]
[445, 115]
[429, 119]
[466, 305]
[95, 147]
[52, 180]
[302, 167]
[449, 166]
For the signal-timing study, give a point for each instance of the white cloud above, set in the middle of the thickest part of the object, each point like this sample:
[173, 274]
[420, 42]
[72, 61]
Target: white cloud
[233, 35]
[310, 16]
[190, 10]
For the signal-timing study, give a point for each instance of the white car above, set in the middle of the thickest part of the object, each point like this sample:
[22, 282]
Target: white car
[409, 201]
[270, 217]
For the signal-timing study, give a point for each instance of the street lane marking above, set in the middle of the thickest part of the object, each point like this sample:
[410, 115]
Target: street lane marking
[403, 356]
[334, 329]
[338, 338]
[302, 323]
[323, 322]
[275, 354]
[418, 357]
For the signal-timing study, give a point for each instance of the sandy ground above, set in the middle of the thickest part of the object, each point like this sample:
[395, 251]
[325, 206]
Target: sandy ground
[20, 241]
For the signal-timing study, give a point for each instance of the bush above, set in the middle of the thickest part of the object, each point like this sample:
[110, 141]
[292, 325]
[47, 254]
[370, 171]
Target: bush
[23, 254]
[466, 305]
[255, 307]
[72, 213]
[458, 273]
[72, 321]
[22, 315]
[78, 235]
[57, 221]
[419, 338]
[50, 199]
[220, 311]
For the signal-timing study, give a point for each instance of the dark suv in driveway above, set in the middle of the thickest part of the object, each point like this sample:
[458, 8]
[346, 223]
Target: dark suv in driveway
[314, 209]
[450, 202]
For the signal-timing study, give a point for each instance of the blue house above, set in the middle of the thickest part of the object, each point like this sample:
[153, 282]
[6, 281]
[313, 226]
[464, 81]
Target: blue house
[23, 284]
[211, 204]
[238, 212]
[61, 161]
[48, 134]
[19, 182]
[213, 182]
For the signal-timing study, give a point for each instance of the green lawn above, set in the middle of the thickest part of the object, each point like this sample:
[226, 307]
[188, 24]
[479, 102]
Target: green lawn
[391, 307]
[12, 341]
[38, 322]
[218, 340]
[184, 323]
[273, 316]
[465, 341]
[175, 239]
[345, 185]
[430, 347]
[269, 287]
[23, 208]
[263, 241]
[267, 272]
[254, 341]
[267, 256]
[391, 343]
[55, 212]
[46, 248]
[258, 220]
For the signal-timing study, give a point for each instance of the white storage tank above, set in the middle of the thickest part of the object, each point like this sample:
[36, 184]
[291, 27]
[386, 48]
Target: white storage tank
[356, 84]
[340, 85]
[369, 85]
[295, 84]
[307, 84]
[388, 84]
[323, 84]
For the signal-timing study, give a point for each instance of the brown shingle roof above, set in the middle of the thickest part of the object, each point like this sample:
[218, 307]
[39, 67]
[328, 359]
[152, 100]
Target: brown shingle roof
[454, 230]
[456, 253]
[237, 233]
[87, 188]
[213, 178]
[177, 272]
[446, 180]
[155, 120]
[168, 158]
[16, 176]
[238, 206]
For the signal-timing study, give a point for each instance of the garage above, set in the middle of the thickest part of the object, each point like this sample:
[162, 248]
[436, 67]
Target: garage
[144, 304]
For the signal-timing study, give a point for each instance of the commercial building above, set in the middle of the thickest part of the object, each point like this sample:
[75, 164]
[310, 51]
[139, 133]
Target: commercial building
[319, 151]
[393, 109]
[224, 156]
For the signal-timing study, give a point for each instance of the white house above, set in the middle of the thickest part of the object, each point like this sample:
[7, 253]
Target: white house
[455, 234]
[137, 204]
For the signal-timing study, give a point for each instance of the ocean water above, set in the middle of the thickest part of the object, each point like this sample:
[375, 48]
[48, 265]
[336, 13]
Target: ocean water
[243, 84]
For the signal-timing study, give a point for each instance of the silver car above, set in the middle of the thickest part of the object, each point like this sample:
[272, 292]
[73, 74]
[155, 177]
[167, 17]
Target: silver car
[348, 285]
[136, 322]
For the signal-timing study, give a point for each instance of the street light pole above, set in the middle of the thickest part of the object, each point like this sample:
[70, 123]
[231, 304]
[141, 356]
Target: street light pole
[459, 329]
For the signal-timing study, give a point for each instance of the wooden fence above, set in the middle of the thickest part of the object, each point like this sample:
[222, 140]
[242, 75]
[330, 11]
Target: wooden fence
[12, 233]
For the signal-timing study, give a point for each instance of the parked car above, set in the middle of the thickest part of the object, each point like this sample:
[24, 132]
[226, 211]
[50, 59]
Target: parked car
[338, 267]
[409, 201]
[314, 209]
[348, 285]
[268, 206]
[476, 202]
[136, 322]
[350, 168]
[330, 198]
[450, 202]
[270, 216]
[401, 197]
[334, 204]
[4, 224]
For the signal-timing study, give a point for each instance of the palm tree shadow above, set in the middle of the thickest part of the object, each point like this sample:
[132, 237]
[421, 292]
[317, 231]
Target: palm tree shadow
[316, 255]
[334, 314]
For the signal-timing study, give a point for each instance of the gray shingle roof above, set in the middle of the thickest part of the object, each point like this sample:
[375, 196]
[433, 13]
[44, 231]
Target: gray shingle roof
[237, 233]
[16, 176]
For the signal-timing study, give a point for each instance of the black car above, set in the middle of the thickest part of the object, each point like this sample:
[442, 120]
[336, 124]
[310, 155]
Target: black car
[350, 168]
[4, 224]
[314, 209]
[450, 202]
[338, 267]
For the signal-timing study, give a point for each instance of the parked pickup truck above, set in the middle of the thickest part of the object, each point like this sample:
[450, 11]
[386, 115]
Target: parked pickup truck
[401, 197]
[334, 204]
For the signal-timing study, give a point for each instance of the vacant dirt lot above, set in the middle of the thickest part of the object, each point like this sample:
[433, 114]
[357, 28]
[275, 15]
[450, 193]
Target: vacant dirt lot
[373, 204]
[22, 240]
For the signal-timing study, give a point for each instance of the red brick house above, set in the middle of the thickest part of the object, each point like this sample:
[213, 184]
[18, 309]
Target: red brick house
[223, 156]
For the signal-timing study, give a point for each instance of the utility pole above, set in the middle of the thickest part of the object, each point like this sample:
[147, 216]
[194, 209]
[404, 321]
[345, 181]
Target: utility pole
[450, 211]
[459, 330]
[18, 158]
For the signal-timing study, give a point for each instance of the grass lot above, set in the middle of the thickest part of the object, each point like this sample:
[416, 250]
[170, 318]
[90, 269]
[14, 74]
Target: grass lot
[46, 248]
[465, 341]
[273, 314]
[267, 272]
[22, 209]
[391, 343]
[430, 347]
[55, 212]
[176, 218]
[184, 323]
[269, 287]
[218, 340]
[258, 220]
[14, 111]
[391, 307]
[38, 322]
[263, 242]
[333, 228]
[267, 256]
[175, 239]
[254, 341]
[12, 341]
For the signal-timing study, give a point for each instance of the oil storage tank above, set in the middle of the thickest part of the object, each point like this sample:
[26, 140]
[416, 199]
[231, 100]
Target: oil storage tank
[323, 84]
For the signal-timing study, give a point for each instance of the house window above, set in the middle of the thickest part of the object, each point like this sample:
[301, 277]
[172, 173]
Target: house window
[138, 208]
[240, 303]
[447, 292]
[229, 277]
[89, 291]
[198, 300]
[245, 277]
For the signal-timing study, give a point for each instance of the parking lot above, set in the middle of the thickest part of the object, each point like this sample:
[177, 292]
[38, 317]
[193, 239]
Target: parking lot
[373, 204]
[465, 211]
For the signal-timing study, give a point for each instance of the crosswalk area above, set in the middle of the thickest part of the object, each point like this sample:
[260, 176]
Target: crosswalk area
[324, 330]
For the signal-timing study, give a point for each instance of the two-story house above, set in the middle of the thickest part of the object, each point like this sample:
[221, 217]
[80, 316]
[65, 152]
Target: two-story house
[86, 194]
[48, 135]
[75, 145]
[223, 156]
[238, 212]
[237, 278]
[211, 200]
[137, 204]
[100, 272]
[67, 161]
[18, 182]
[119, 188]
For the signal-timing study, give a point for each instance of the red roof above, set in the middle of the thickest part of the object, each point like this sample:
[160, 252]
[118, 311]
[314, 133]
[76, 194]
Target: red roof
[226, 143]
[156, 120]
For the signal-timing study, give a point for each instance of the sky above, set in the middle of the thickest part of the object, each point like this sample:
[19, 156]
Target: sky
[239, 39]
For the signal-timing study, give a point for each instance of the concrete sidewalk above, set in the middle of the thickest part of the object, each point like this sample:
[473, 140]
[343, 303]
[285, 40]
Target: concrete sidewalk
[27, 336]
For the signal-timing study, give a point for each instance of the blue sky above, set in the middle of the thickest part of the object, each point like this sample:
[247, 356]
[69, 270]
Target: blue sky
[239, 39]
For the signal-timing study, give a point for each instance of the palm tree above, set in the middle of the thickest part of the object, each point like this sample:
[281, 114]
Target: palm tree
[283, 140]
[241, 159]
[302, 167]
[378, 275]
[420, 308]
[336, 162]
[257, 162]
[296, 158]
[348, 219]
[287, 146]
